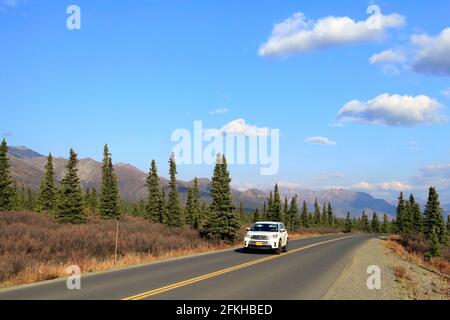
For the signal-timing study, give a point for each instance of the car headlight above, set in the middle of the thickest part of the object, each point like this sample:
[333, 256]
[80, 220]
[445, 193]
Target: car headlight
[248, 236]
[275, 236]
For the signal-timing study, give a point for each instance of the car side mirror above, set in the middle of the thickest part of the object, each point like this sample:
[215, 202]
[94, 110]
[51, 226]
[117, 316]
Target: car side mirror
[283, 230]
[248, 229]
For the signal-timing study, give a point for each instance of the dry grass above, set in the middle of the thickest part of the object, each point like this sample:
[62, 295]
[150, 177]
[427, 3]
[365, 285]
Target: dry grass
[414, 253]
[33, 247]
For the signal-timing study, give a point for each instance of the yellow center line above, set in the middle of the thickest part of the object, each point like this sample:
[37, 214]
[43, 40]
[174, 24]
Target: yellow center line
[224, 271]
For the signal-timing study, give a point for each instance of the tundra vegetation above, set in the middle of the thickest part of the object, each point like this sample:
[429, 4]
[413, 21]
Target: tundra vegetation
[60, 223]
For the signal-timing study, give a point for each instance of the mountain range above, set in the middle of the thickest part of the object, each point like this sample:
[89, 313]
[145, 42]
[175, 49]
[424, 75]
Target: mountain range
[27, 168]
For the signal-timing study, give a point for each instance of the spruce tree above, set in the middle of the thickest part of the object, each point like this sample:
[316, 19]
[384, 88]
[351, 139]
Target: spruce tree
[31, 200]
[47, 191]
[163, 208]
[223, 223]
[87, 199]
[189, 209]
[365, 225]
[286, 217]
[6, 184]
[264, 212]
[324, 218]
[448, 223]
[270, 215]
[375, 223]
[204, 214]
[153, 207]
[295, 221]
[416, 215]
[317, 215]
[256, 216]
[305, 215]
[400, 211]
[93, 202]
[435, 243]
[70, 202]
[174, 212]
[193, 207]
[109, 197]
[331, 217]
[434, 218]
[385, 226]
[277, 214]
[348, 224]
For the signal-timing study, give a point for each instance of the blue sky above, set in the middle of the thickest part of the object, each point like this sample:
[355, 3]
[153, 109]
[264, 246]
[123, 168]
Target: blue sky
[137, 70]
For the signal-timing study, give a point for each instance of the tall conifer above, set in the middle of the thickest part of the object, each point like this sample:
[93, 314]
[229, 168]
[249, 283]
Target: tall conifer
[153, 207]
[174, 212]
[109, 197]
[6, 184]
[70, 202]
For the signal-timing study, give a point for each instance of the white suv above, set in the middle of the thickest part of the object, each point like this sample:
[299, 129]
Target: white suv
[267, 235]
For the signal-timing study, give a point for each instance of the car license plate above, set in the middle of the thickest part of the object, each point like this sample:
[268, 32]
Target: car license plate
[259, 244]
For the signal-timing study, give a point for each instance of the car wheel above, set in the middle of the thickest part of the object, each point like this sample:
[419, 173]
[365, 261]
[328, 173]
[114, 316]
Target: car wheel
[286, 247]
[279, 249]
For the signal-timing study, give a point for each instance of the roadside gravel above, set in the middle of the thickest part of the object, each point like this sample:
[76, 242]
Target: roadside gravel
[400, 279]
[352, 283]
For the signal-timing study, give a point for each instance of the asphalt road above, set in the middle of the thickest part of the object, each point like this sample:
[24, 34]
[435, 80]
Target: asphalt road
[306, 272]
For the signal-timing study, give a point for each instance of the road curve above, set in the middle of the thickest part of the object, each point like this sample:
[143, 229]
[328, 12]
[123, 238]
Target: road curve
[306, 272]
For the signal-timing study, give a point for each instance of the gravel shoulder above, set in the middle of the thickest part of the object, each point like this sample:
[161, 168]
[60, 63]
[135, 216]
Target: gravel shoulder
[400, 279]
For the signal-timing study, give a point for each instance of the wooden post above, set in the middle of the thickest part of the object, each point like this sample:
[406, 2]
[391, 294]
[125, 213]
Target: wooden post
[117, 242]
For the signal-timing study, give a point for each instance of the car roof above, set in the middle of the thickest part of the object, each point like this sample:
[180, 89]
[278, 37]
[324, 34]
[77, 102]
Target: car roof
[267, 222]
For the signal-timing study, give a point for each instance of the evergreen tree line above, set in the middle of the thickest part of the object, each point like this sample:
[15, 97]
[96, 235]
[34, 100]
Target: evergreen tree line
[68, 204]
[430, 223]
[296, 218]
[220, 220]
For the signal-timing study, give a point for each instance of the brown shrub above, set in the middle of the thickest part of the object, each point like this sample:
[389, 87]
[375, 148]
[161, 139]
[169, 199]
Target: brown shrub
[30, 240]
[416, 243]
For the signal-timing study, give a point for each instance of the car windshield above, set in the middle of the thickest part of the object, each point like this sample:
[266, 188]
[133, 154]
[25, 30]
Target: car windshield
[264, 227]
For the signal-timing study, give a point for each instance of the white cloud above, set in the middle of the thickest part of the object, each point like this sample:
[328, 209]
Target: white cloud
[432, 53]
[337, 125]
[320, 140]
[220, 110]
[10, 3]
[298, 34]
[433, 170]
[446, 93]
[240, 128]
[437, 175]
[388, 56]
[383, 186]
[394, 110]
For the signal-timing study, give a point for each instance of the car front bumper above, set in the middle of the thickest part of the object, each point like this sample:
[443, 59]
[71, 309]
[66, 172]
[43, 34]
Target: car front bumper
[261, 244]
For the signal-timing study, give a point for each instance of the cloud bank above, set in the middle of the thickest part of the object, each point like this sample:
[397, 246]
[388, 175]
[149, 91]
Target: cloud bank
[394, 110]
[320, 140]
[297, 34]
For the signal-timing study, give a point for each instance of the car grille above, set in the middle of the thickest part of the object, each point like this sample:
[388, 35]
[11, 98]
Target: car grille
[259, 238]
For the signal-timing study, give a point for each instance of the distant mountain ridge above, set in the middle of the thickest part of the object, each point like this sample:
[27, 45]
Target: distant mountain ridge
[27, 167]
[23, 153]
